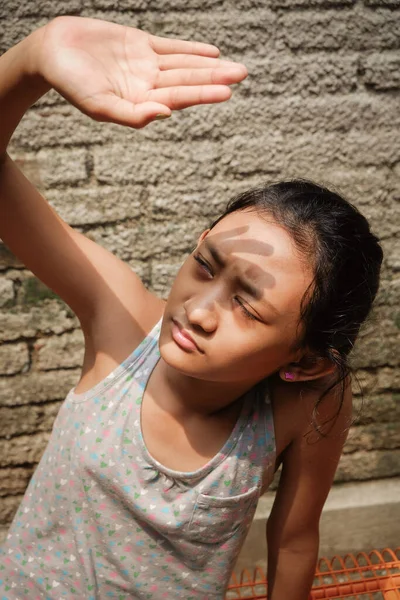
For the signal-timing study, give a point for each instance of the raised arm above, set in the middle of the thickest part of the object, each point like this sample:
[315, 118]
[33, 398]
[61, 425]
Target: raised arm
[111, 73]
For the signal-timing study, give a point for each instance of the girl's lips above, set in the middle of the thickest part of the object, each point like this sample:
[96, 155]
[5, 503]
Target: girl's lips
[183, 338]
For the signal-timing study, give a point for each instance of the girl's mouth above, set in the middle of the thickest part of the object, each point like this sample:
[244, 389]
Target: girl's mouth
[183, 338]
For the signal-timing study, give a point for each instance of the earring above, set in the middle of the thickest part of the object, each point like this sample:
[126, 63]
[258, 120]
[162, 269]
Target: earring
[289, 376]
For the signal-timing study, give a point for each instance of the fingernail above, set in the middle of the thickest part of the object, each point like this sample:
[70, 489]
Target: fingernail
[161, 116]
[289, 376]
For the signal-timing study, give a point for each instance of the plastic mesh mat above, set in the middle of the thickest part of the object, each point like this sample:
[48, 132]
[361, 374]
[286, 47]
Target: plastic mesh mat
[365, 576]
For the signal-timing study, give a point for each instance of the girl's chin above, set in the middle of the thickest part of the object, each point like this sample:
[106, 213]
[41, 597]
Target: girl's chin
[186, 363]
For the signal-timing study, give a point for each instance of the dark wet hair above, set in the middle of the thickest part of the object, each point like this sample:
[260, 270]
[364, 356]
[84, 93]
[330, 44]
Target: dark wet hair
[346, 259]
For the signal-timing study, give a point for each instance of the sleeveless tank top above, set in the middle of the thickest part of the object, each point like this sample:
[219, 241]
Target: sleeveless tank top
[101, 518]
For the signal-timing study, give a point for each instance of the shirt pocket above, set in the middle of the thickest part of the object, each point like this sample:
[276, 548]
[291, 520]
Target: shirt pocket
[216, 519]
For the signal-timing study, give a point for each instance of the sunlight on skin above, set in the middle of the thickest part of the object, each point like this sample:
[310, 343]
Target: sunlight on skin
[236, 351]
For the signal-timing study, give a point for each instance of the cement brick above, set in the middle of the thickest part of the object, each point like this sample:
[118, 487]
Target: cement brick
[142, 270]
[378, 350]
[192, 199]
[34, 388]
[316, 4]
[352, 150]
[168, 239]
[151, 162]
[130, 18]
[119, 239]
[27, 419]
[363, 465]
[389, 293]
[47, 168]
[22, 449]
[278, 73]
[38, 8]
[58, 125]
[376, 436]
[307, 155]
[3, 532]
[28, 164]
[167, 5]
[58, 352]
[376, 381]
[384, 221]
[51, 317]
[19, 276]
[14, 481]
[384, 408]
[258, 155]
[14, 358]
[33, 292]
[163, 276]
[357, 29]
[52, 98]
[15, 29]
[364, 187]
[293, 115]
[6, 292]
[7, 259]
[369, 188]
[246, 4]
[381, 71]
[62, 167]
[388, 379]
[95, 205]
[361, 112]
[29, 290]
[391, 251]
[256, 34]
[379, 341]
[8, 508]
[383, 3]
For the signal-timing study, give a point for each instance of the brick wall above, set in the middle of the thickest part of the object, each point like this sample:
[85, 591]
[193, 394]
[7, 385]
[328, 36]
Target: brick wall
[322, 101]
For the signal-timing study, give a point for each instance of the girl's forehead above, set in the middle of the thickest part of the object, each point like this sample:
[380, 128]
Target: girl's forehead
[245, 232]
[263, 251]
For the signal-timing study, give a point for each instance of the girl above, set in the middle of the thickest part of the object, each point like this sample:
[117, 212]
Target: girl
[185, 408]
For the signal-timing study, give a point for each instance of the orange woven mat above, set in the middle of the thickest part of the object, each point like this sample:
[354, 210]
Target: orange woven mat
[372, 576]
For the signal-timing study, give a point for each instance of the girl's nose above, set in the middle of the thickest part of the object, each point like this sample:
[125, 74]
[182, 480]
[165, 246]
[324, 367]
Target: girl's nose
[201, 314]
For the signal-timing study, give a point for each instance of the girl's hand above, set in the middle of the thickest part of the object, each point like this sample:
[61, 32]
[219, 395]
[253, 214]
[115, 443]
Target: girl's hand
[124, 75]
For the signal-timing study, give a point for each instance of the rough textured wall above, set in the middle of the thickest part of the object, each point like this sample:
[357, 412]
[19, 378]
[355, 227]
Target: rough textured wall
[322, 101]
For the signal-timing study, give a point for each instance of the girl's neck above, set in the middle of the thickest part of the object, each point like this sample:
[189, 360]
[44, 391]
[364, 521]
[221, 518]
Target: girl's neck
[184, 396]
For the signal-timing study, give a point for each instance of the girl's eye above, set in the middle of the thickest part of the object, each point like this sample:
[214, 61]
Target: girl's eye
[244, 310]
[206, 267]
[202, 263]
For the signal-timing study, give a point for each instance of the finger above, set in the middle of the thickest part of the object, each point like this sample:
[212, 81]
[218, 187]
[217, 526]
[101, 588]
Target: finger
[120, 111]
[177, 98]
[163, 45]
[181, 77]
[187, 61]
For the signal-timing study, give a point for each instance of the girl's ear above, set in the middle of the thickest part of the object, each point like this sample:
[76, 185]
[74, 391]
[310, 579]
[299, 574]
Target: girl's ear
[307, 369]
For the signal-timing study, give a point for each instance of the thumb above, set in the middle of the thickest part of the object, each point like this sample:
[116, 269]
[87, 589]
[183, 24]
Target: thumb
[123, 112]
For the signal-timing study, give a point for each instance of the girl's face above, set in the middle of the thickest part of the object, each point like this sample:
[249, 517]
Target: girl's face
[238, 295]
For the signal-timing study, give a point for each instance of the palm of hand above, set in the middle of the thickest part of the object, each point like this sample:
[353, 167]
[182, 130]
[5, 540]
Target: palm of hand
[124, 75]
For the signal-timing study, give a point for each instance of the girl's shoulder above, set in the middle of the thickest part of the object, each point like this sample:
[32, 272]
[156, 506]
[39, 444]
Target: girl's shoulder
[309, 413]
[115, 333]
